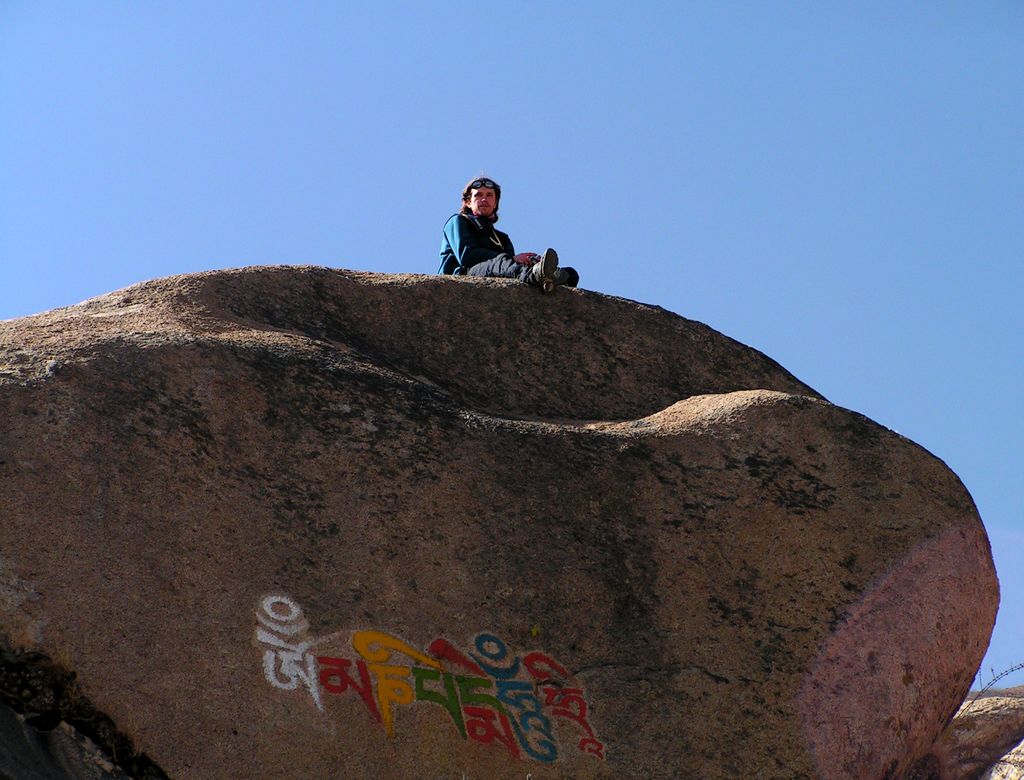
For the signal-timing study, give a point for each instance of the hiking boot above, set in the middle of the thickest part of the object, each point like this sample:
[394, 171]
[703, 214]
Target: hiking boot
[543, 273]
[566, 276]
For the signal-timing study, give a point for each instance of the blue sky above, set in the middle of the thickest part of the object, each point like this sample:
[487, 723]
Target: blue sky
[840, 185]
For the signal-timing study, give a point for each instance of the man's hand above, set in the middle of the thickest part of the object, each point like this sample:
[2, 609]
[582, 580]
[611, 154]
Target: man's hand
[527, 258]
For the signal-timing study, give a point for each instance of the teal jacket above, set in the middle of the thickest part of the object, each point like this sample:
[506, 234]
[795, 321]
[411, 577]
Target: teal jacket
[469, 240]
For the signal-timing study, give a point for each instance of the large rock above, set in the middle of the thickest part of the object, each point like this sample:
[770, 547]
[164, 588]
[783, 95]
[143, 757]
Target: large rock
[294, 522]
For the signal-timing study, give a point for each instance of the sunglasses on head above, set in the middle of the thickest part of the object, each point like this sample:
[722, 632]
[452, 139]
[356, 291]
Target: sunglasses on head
[478, 183]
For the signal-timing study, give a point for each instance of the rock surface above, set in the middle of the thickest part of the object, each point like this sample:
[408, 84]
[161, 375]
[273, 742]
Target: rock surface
[295, 522]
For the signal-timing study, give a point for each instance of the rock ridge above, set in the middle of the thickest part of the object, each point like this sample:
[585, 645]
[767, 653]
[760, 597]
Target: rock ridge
[614, 359]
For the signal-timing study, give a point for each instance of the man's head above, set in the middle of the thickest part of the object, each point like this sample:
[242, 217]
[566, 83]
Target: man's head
[480, 198]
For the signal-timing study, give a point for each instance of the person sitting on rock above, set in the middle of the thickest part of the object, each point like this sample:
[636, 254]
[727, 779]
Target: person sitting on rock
[471, 245]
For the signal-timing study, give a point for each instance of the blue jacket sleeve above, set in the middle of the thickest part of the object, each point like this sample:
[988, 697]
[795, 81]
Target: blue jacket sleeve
[462, 247]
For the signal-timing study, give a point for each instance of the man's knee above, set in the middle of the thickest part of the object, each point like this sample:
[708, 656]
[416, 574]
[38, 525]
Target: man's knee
[500, 267]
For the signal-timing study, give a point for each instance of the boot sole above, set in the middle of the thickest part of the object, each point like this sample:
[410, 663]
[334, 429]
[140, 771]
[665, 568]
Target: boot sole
[548, 266]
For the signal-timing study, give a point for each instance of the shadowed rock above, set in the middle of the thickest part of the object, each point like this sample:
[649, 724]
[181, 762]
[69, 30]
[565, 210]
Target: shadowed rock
[294, 522]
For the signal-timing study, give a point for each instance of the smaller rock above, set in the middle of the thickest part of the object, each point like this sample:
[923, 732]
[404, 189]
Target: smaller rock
[985, 739]
[49, 730]
[57, 753]
[1009, 767]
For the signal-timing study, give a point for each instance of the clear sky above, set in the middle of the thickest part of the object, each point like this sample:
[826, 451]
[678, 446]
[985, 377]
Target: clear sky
[840, 185]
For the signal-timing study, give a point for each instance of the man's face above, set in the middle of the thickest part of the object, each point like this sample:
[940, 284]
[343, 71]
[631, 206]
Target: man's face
[483, 201]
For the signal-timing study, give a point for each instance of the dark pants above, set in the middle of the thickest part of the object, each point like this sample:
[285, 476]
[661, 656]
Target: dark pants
[504, 268]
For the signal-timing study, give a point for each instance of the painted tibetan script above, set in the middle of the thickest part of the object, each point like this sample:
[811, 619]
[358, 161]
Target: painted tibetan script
[487, 693]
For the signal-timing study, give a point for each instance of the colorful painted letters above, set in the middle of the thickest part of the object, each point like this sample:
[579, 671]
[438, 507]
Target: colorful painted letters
[489, 694]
